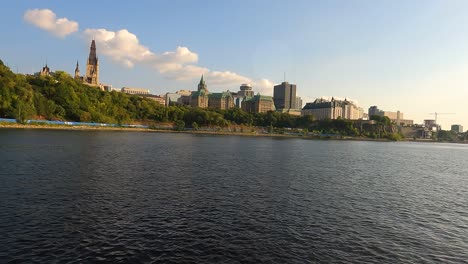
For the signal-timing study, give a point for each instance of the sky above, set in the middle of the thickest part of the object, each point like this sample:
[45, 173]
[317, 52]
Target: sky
[410, 56]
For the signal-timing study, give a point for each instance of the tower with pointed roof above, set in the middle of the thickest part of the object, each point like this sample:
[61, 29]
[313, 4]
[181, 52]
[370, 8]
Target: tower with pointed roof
[202, 84]
[77, 71]
[92, 66]
[45, 71]
[200, 97]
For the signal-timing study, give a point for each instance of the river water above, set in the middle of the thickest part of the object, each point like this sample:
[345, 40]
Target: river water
[131, 197]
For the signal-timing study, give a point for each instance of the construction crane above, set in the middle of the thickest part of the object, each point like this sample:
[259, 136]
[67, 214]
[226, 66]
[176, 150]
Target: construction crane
[436, 114]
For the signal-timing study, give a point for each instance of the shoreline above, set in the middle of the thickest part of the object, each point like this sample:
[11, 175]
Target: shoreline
[202, 132]
[131, 129]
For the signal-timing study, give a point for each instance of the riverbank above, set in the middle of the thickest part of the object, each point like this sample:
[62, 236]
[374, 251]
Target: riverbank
[199, 132]
[132, 129]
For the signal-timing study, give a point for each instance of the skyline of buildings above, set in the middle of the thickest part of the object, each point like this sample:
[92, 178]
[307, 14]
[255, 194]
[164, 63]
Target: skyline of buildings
[416, 73]
[284, 98]
[396, 117]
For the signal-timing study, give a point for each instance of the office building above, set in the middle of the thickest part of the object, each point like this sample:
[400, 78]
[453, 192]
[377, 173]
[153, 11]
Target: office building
[395, 117]
[258, 104]
[223, 100]
[457, 128]
[284, 96]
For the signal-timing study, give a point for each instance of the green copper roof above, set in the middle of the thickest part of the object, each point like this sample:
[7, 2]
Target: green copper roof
[259, 97]
[202, 92]
[220, 95]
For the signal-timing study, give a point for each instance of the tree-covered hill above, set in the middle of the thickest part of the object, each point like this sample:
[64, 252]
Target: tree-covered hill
[60, 97]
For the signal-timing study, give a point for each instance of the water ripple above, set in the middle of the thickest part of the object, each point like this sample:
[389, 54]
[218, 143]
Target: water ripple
[85, 197]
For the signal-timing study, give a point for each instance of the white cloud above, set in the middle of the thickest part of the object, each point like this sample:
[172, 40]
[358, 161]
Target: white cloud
[226, 77]
[181, 55]
[263, 86]
[125, 48]
[182, 72]
[121, 46]
[47, 20]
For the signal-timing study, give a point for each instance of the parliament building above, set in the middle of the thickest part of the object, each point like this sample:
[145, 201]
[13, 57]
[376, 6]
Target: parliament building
[92, 68]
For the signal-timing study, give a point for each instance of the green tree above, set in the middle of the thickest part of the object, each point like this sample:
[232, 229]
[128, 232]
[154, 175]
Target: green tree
[195, 126]
[270, 129]
[179, 125]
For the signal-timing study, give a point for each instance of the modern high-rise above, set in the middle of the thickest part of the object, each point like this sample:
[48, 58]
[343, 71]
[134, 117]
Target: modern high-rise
[457, 128]
[395, 117]
[284, 96]
[92, 66]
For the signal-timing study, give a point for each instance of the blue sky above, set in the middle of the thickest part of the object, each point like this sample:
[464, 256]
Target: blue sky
[410, 56]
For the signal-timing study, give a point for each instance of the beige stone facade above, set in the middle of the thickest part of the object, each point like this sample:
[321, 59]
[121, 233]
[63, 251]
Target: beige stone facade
[159, 99]
[200, 97]
[332, 109]
[136, 91]
[92, 67]
[223, 100]
[199, 100]
[395, 117]
[259, 104]
[45, 71]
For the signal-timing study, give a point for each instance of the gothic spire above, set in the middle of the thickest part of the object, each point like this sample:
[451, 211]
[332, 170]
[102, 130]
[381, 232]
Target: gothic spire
[202, 85]
[92, 59]
[201, 80]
